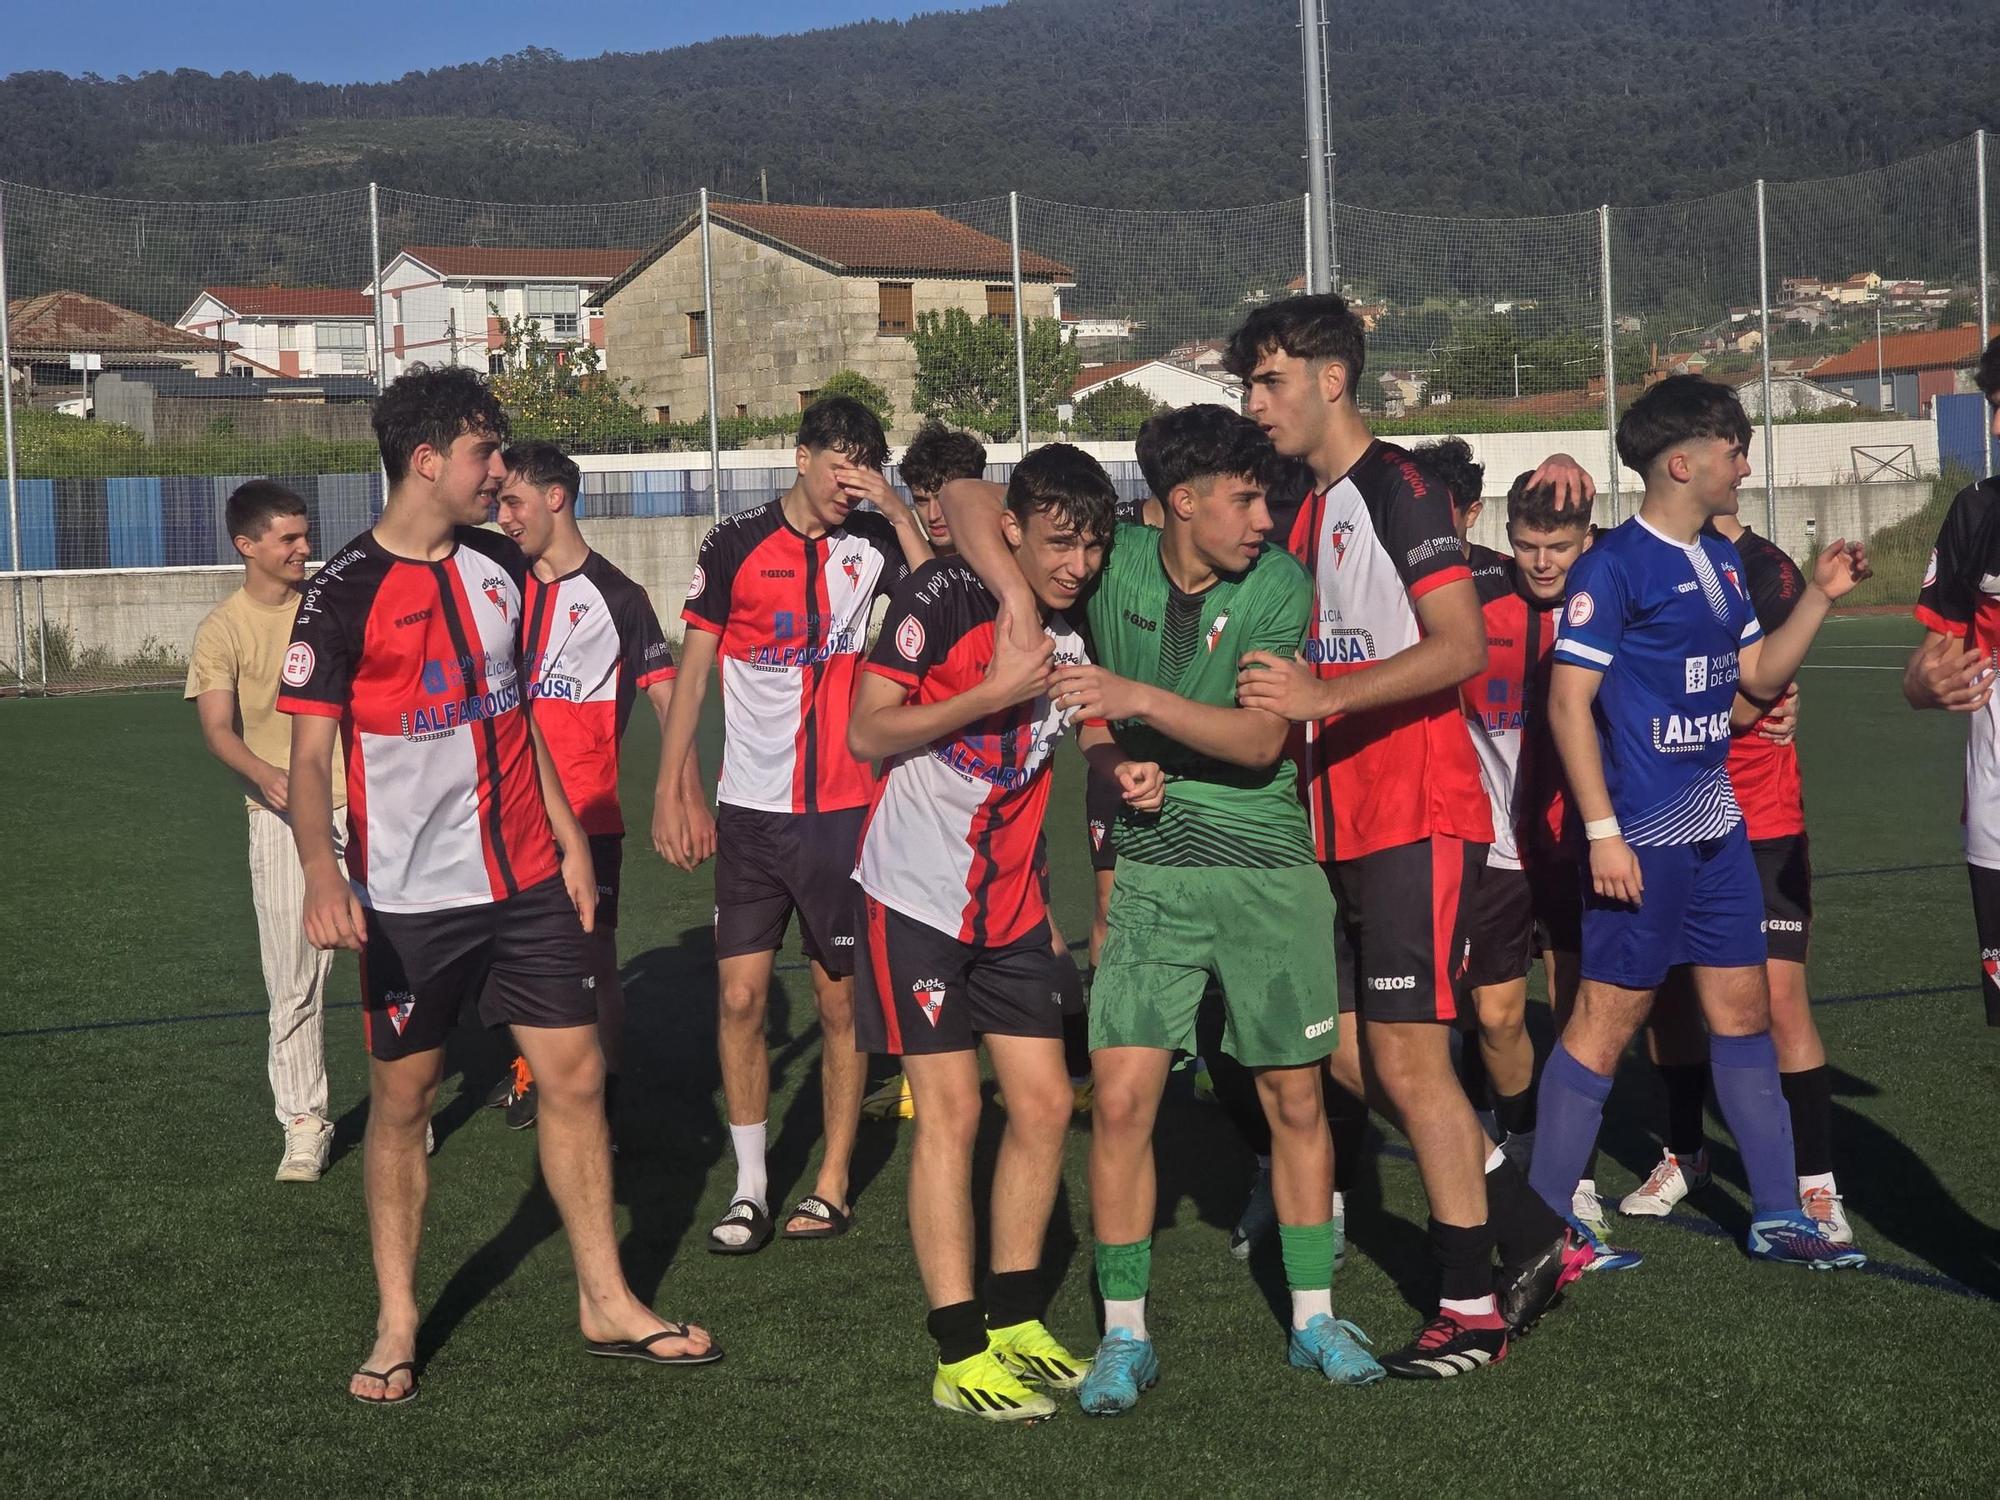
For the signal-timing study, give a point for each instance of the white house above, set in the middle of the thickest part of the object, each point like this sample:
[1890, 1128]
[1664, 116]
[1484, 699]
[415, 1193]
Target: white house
[449, 304]
[286, 330]
[1080, 329]
[1169, 384]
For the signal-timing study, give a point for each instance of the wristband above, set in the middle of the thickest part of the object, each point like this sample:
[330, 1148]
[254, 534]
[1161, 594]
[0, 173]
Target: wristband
[1600, 828]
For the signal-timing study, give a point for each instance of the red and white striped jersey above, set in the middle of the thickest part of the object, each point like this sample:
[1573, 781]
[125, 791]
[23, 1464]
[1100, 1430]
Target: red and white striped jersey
[418, 661]
[791, 612]
[1376, 541]
[953, 838]
[590, 643]
[1504, 704]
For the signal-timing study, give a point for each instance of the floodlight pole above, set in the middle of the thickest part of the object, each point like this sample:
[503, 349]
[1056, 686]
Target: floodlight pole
[1770, 424]
[708, 358]
[381, 328]
[1319, 195]
[7, 376]
[1610, 359]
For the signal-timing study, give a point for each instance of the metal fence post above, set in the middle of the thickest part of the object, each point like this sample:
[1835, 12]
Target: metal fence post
[1020, 320]
[1610, 358]
[381, 328]
[42, 632]
[1764, 351]
[1307, 283]
[708, 358]
[1985, 314]
[1319, 198]
[14, 559]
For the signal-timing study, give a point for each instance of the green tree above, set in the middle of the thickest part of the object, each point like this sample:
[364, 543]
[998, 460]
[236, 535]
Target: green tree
[1114, 412]
[1957, 312]
[862, 389]
[965, 371]
[560, 392]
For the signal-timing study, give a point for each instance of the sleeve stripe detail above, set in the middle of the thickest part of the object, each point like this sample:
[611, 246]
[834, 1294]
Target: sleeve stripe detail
[1930, 619]
[689, 617]
[664, 674]
[894, 674]
[1587, 655]
[1443, 576]
[287, 704]
[1751, 631]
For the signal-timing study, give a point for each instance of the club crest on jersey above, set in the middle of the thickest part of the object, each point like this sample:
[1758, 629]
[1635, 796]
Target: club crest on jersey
[492, 589]
[1734, 582]
[577, 612]
[1215, 630]
[397, 1005]
[1336, 538]
[910, 638]
[851, 566]
[1989, 960]
[1096, 834]
[929, 995]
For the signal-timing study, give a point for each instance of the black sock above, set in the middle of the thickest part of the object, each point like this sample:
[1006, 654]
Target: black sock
[1014, 1297]
[1465, 1260]
[1522, 1223]
[1348, 1118]
[960, 1331]
[1514, 1114]
[1687, 1093]
[1810, 1095]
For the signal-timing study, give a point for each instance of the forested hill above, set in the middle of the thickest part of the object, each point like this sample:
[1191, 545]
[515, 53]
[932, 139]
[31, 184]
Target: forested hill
[1441, 106]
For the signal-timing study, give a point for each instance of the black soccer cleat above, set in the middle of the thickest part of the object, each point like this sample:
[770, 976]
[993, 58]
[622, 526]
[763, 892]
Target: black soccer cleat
[1528, 1290]
[1445, 1347]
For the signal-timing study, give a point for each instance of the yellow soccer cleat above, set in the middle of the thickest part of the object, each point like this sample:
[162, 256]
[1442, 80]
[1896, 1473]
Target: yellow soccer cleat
[891, 1101]
[1031, 1352]
[984, 1387]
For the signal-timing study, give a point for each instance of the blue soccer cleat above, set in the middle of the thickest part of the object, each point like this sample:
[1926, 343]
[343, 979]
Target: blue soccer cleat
[1333, 1346]
[1122, 1368]
[1587, 1221]
[1795, 1239]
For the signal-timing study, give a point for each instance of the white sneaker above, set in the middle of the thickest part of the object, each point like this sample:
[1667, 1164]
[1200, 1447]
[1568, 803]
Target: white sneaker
[1828, 1210]
[308, 1143]
[1670, 1181]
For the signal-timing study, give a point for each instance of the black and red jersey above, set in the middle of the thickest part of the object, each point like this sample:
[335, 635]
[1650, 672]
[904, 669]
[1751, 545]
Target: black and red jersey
[1960, 599]
[1504, 710]
[1765, 774]
[791, 613]
[419, 662]
[590, 643]
[954, 835]
[1376, 541]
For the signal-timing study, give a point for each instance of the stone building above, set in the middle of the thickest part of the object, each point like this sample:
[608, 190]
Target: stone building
[802, 292]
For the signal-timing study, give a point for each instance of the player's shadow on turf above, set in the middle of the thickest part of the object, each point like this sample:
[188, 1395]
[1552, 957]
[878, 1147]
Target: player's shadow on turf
[475, 1056]
[1059, 1247]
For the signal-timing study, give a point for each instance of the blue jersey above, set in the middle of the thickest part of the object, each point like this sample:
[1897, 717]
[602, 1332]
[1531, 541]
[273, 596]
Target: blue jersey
[1663, 622]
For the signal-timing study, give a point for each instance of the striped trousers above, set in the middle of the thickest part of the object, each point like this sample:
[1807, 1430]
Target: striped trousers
[294, 971]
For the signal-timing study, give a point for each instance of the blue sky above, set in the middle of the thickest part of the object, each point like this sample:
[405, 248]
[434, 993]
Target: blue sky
[364, 41]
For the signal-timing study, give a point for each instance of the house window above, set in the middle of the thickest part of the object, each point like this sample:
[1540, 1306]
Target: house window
[342, 346]
[1000, 304]
[742, 411]
[496, 301]
[288, 336]
[894, 313]
[806, 398]
[697, 333]
[558, 306]
[663, 415]
[496, 364]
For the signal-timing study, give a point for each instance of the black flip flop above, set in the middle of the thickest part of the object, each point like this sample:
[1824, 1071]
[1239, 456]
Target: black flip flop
[822, 1212]
[383, 1376]
[743, 1211]
[642, 1349]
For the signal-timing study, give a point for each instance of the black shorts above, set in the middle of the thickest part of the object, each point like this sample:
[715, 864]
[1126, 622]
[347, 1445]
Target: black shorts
[1555, 888]
[918, 990]
[1400, 926]
[1101, 801]
[1502, 929]
[607, 858]
[1986, 922]
[770, 864]
[520, 961]
[1784, 867]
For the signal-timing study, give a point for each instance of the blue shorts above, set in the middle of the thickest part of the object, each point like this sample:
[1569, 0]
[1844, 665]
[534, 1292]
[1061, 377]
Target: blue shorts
[1701, 904]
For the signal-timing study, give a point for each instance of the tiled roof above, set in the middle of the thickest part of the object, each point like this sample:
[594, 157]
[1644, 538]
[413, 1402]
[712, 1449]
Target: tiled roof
[483, 260]
[1929, 350]
[1093, 376]
[886, 239]
[75, 323]
[292, 301]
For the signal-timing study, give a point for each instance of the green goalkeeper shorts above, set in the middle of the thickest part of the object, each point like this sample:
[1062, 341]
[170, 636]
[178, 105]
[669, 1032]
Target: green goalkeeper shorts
[1264, 935]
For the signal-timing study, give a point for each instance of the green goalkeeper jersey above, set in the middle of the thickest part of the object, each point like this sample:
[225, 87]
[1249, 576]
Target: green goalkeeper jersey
[1145, 629]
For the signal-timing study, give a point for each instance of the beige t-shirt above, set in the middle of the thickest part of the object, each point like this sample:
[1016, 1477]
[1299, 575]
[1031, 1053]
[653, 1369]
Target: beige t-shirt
[241, 647]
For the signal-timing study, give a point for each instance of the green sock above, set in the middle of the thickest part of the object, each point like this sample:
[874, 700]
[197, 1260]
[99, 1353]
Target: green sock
[1124, 1272]
[1307, 1250]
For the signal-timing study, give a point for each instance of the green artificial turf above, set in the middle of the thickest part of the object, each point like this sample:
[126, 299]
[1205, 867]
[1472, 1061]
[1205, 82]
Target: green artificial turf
[178, 1323]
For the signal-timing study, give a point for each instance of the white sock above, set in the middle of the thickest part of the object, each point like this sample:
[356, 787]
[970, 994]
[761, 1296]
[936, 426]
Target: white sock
[1470, 1307]
[1130, 1316]
[747, 1141]
[1339, 1204]
[1497, 1157]
[1309, 1305]
[1817, 1180]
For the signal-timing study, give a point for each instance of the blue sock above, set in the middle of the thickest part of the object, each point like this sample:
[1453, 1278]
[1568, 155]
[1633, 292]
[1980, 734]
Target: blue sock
[1567, 1118]
[1752, 1099]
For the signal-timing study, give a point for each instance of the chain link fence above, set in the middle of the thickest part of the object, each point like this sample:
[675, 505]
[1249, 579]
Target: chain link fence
[158, 354]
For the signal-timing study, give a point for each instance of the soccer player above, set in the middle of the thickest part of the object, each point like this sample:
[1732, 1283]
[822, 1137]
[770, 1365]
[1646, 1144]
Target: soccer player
[936, 456]
[591, 644]
[471, 879]
[1218, 884]
[232, 679]
[1658, 638]
[1399, 816]
[956, 945]
[1954, 670]
[781, 597]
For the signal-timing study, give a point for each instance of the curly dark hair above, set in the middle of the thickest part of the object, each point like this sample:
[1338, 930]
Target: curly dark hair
[846, 426]
[1987, 374]
[938, 454]
[1067, 483]
[1201, 442]
[1450, 461]
[543, 464]
[432, 406]
[1318, 327]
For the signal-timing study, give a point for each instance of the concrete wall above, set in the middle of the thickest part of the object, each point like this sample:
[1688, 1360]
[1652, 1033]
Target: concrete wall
[177, 419]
